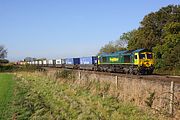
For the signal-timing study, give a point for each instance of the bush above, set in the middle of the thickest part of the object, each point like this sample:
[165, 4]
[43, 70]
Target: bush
[66, 74]
[6, 67]
[15, 68]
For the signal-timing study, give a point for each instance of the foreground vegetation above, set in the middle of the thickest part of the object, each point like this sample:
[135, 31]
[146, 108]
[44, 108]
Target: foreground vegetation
[40, 97]
[6, 94]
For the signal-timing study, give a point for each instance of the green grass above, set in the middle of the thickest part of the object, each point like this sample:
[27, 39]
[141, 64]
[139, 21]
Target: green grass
[6, 94]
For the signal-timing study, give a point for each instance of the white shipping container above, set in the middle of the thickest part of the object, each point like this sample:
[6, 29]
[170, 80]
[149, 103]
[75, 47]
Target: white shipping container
[50, 62]
[44, 62]
[58, 61]
[40, 62]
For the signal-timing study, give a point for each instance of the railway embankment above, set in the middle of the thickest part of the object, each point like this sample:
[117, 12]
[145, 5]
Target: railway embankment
[160, 93]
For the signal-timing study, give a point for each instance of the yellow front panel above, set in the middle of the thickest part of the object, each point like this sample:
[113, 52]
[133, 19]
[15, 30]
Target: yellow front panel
[145, 61]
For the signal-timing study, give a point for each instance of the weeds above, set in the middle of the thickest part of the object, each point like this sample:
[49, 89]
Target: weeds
[150, 99]
[66, 74]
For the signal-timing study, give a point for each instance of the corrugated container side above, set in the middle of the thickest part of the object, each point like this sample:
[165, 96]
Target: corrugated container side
[69, 61]
[76, 61]
[86, 60]
[50, 62]
[95, 59]
[44, 62]
[40, 62]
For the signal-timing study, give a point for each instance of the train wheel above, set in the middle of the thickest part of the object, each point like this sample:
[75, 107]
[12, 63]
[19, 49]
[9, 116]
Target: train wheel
[149, 72]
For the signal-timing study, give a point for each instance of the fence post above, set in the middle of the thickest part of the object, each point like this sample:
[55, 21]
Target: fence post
[79, 75]
[116, 77]
[171, 98]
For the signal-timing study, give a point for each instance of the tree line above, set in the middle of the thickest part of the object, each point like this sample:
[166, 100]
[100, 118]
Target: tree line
[158, 31]
[3, 54]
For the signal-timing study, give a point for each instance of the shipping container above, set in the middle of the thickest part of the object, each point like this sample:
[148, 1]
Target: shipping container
[44, 62]
[36, 62]
[40, 62]
[88, 63]
[72, 61]
[88, 60]
[50, 62]
[58, 61]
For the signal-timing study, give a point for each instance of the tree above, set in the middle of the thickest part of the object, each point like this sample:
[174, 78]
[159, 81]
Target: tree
[113, 46]
[3, 52]
[167, 54]
[150, 33]
[108, 48]
[123, 40]
[159, 31]
[117, 45]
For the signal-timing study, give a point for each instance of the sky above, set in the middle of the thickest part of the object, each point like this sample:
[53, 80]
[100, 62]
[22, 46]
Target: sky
[68, 28]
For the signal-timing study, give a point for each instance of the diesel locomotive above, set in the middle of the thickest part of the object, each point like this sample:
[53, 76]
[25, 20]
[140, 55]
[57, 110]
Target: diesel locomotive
[140, 61]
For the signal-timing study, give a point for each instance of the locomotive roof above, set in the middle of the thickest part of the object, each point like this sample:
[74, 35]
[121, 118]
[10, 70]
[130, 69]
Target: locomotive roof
[113, 53]
[125, 52]
[140, 50]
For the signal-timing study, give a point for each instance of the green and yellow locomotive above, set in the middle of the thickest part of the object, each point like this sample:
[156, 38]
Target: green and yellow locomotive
[140, 61]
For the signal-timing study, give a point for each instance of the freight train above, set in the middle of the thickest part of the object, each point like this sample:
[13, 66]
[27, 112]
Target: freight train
[140, 61]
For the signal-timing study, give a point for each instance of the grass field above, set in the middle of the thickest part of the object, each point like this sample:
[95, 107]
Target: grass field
[6, 95]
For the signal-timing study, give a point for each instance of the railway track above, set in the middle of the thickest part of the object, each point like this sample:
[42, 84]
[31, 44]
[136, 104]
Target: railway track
[161, 78]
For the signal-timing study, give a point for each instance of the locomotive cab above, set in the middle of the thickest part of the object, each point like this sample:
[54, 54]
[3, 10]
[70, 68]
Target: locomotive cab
[145, 61]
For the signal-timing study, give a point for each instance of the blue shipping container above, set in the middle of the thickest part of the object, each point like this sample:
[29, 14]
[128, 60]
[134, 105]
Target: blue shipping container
[88, 60]
[72, 61]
